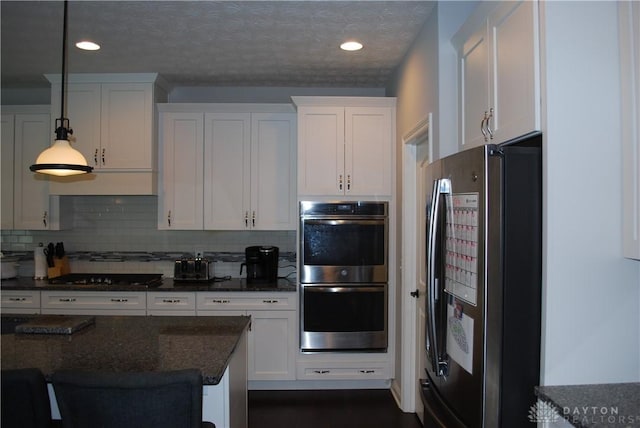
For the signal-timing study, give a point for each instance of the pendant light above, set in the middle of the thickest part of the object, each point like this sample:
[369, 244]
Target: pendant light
[61, 159]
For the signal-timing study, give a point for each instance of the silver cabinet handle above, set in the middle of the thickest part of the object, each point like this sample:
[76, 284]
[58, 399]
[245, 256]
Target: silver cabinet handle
[17, 299]
[482, 126]
[220, 301]
[322, 371]
[169, 218]
[253, 219]
[95, 157]
[44, 218]
[367, 371]
[270, 301]
[340, 182]
[103, 152]
[65, 299]
[489, 123]
[246, 219]
[171, 300]
[348, 182]
[120, 300]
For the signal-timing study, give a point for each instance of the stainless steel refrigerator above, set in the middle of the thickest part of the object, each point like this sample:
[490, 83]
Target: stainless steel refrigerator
[483, 264]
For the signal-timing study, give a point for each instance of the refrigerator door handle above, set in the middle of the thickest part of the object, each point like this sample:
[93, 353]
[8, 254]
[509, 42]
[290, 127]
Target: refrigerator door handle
[440, 187]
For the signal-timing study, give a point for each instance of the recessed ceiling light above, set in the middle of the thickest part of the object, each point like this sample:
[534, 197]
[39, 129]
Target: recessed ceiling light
[87, 45]
[351, 45]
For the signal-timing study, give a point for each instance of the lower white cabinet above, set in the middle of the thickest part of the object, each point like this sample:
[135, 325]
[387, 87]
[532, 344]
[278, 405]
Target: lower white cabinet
[20, 302]
[165, 303]
[272, 336]
[93, 302]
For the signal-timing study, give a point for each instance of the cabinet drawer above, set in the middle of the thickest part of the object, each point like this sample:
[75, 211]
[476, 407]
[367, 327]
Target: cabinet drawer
[171, 303]
[18, 301]
[346, 372]
[94, 302]
[245, 301]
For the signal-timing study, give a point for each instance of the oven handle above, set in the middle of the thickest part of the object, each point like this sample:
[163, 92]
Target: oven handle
[339, 221]
[343, 289]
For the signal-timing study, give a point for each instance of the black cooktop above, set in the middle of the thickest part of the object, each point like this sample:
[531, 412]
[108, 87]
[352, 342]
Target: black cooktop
[133, 279]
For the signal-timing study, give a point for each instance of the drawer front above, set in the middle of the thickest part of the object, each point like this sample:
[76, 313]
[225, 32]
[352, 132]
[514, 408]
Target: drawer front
[171, 302]
[94, 302]
[348, 372]
[14, 301]
[245, 301]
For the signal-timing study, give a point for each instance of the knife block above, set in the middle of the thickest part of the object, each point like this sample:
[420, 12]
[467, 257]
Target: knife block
[60, 267]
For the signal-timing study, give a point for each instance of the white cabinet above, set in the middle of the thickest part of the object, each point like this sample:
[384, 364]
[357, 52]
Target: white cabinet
[227, 167]
[26, 204]
[629, 15]
[499, 73]
[172, 303]
[114, 127]
[20, 301]
[345, 146]
[93, 302]
[181, 179]
[272, 336]
[250, 171]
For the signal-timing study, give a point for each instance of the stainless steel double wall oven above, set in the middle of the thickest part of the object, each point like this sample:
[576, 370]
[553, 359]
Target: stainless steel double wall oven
[344, 276]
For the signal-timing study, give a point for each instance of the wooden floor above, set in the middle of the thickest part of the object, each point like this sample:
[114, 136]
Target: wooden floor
[373, 408]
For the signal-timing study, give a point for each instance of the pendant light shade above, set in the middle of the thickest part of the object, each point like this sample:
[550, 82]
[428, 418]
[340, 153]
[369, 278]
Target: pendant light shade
[61, 159]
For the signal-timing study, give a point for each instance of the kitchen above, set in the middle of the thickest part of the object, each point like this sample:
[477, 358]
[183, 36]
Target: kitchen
[579, 276]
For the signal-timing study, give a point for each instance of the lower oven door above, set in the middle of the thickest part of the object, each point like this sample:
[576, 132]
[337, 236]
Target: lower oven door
[344, 317]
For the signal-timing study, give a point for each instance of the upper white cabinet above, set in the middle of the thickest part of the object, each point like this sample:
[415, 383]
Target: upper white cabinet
[629, 17]
[26, 204]
[227, 167]
[499, 73]
[114, 127]
[345, 146]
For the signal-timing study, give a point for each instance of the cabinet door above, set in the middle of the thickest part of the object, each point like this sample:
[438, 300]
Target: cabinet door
[227, 145]
[180, 200]
[83, 112]
[473, 88]
[515, 95]
[33, 134]
[126, 126]
[273, 171]
[6, 217]
[321, 151]
[272, 347]
[368, 151]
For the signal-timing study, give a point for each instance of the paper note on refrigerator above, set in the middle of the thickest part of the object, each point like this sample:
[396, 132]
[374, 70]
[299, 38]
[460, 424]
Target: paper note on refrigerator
[460, 336]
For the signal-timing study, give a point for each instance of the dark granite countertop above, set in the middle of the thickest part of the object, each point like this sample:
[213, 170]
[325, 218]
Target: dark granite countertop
[600, 405]
[168, 284]
[129, 343]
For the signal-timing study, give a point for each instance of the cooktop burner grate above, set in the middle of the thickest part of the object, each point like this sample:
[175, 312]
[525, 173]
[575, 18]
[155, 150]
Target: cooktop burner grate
[132, 279]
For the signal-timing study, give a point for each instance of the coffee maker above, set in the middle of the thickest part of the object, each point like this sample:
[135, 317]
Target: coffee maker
[261, 263]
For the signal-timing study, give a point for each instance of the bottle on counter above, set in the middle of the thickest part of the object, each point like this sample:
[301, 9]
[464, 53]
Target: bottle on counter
[39, 262]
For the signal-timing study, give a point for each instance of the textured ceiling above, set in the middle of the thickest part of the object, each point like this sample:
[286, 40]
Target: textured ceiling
[238, 43]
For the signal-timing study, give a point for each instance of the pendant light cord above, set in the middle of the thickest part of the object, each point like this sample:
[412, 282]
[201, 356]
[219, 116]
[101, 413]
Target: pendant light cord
[62, 125]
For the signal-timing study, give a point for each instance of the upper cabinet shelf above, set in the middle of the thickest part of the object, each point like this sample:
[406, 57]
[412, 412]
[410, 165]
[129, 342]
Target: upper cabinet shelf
[345, 146]
[113, 119]
[498, 73]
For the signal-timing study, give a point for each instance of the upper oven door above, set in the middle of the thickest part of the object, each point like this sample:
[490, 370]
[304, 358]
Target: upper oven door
[343, 250]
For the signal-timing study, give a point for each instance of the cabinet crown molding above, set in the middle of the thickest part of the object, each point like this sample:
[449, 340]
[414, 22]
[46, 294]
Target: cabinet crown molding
[300, 101]
[110, 78]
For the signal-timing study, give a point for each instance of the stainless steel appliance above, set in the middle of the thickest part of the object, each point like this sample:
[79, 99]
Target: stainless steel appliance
[483, 269]
[262, 264]
[193, 270]
[148, 280]
[343, 275]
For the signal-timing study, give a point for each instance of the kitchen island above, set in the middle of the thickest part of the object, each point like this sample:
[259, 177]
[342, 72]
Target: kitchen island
[214, 345]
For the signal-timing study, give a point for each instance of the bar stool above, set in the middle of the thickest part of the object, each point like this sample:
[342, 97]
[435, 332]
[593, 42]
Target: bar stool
[25, 399]
[171, 399]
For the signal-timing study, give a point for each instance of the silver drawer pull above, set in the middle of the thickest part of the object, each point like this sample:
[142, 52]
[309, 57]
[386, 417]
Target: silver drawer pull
[367, 371]
[269, 301]
[119, 300]
[170, 300]
[322, 371]
[67, 299]
[17, 299]
[221, 301]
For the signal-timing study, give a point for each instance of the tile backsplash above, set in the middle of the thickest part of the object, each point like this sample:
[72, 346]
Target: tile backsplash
[128, 223]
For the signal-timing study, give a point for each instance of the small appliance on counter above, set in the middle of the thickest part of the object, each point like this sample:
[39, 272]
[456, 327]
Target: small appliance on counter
[262, 264]
[193, 270]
